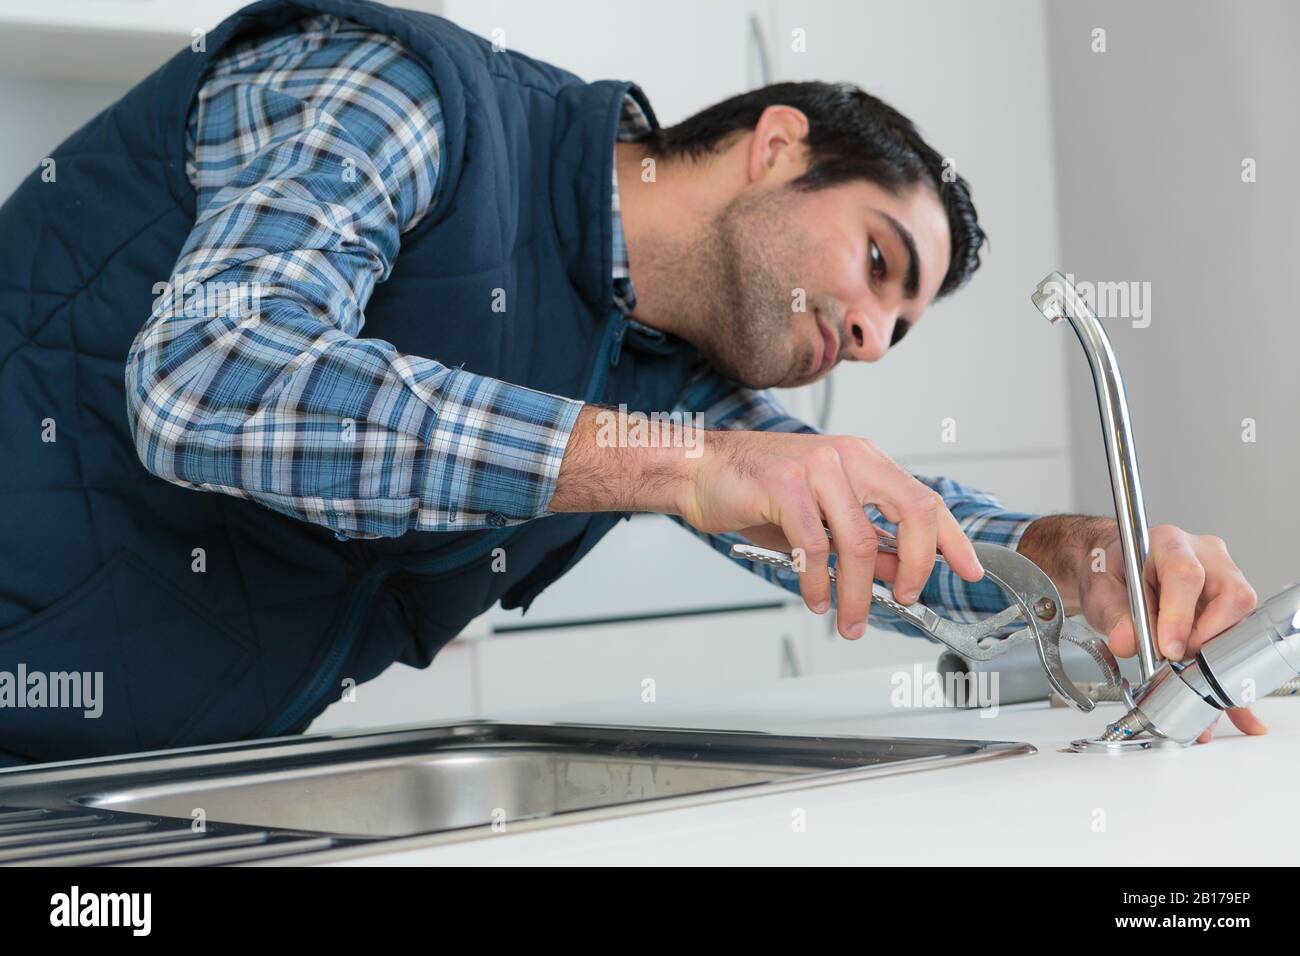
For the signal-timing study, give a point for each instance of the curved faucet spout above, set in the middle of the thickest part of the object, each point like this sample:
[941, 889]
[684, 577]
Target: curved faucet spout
[1057, 299]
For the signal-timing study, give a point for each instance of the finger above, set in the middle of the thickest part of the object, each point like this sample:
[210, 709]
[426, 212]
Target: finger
[1121, 637]
[1107, 610]
[1245, 720]
[886, 563]
[801, 523]
[926, 528]
[854, 541]
[956, 547]
[1228, 596]
[886, 566]
[1208, 733]
[949, 538]
[1181, 577]
[1227, 608]
[766, 536]
[917, 543]
[770, 536]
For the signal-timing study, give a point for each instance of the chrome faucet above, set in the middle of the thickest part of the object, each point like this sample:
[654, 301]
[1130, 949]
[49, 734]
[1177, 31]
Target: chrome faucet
[1235, 669]
[1057, 299]
[1176, 700]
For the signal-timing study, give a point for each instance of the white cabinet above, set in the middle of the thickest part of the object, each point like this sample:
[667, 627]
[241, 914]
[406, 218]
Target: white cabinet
[638, 660]
[631, 660]
[648, 565]
[823, 651]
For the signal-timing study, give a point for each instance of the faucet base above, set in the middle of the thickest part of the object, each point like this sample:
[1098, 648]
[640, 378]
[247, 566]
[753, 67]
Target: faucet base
[1098, 745]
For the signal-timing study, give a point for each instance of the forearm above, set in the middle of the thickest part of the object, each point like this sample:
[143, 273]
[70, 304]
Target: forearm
[602, 472]
[1064, 546]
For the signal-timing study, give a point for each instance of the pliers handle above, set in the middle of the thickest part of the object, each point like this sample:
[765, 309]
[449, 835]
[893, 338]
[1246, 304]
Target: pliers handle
[1034, 600]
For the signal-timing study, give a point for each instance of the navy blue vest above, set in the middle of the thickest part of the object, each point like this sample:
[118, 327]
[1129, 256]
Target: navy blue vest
[98, 557]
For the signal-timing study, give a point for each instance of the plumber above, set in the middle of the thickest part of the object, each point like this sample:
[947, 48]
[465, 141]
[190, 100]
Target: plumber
[459, 257]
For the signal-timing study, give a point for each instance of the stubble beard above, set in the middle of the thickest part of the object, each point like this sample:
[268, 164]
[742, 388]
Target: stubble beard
[741, 299]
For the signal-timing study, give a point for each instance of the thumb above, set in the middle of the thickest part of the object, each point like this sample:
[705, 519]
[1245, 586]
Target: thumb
[1106, 609]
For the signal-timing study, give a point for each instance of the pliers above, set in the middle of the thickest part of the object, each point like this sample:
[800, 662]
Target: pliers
[1034, 600]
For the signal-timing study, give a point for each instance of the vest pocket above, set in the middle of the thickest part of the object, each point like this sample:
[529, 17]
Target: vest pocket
[124, 662]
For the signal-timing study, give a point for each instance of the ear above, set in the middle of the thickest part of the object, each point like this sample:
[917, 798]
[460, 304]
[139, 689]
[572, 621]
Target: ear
[778, 152]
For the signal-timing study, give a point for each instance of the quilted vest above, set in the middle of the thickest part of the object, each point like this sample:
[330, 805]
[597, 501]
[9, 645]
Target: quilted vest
[212, 618]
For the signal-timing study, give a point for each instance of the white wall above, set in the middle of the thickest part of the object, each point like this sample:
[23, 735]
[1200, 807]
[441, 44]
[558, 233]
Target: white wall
[685, 54]
[1150, 136]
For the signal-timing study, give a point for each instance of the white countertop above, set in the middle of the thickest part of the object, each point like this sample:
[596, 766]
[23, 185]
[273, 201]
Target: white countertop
[1213, 804]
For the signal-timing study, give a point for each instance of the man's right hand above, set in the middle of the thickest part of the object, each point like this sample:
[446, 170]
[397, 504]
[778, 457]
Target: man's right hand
[781, 490]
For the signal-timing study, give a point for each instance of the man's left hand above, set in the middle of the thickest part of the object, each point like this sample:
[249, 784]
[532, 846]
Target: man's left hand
[1199, 592]
[1194, 588]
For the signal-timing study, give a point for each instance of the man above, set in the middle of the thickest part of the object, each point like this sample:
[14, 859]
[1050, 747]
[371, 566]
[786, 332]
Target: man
[355, 289]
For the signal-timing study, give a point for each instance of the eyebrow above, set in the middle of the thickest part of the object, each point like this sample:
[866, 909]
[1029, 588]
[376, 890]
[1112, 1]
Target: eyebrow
[912, 284]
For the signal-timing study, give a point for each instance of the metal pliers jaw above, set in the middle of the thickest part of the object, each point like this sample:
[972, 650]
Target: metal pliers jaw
[1034, 600]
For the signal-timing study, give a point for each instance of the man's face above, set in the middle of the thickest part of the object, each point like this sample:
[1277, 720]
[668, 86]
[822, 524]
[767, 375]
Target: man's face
[864, 259]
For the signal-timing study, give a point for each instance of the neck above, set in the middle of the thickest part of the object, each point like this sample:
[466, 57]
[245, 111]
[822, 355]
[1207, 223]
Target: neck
[664, 216]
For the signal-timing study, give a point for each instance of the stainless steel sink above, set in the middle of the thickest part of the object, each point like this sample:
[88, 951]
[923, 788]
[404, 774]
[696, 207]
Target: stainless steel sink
[330, 796]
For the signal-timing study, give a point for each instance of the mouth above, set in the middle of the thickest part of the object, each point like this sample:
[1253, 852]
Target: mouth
[828, 347]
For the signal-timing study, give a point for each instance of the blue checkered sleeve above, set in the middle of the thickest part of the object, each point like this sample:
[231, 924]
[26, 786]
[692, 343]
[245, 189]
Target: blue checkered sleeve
[981, 516]
[311, 151]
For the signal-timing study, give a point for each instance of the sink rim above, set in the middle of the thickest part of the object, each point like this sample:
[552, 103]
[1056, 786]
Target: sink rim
[987, 751]
[90, 783]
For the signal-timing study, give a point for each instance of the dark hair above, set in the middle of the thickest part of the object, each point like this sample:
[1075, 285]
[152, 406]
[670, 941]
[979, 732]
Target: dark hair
[851, 135]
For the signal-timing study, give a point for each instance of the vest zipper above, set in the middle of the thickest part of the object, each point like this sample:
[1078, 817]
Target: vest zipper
[611, 348]
[339, 650]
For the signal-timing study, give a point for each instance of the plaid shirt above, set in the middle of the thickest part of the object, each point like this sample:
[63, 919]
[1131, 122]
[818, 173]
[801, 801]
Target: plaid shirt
[312, 150]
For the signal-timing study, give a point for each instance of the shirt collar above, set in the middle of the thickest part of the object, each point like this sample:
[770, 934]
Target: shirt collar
[632, 126]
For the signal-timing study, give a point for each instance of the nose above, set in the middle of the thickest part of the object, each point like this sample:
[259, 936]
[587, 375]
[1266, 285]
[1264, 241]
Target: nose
[868, 337]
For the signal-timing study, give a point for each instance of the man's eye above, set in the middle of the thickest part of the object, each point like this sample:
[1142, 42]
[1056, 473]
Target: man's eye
[878, 267]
